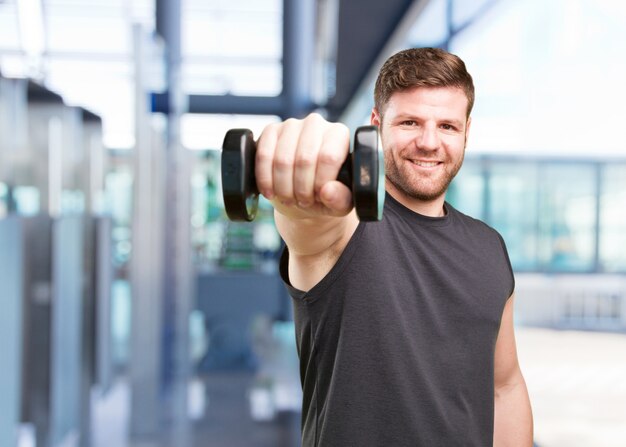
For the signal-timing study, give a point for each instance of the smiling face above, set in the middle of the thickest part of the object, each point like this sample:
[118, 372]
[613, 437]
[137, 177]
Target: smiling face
[423, 131]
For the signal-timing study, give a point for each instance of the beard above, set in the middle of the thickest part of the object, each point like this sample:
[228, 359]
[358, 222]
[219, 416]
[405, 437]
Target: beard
[426, 187]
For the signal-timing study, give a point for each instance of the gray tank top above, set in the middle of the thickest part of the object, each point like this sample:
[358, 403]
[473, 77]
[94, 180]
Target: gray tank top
[396, 342]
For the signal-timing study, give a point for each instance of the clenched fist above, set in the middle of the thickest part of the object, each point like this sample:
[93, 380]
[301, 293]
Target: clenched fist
[296, 167]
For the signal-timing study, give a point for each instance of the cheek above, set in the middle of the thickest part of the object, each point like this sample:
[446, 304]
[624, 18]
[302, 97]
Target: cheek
[455, 146]
[395, 143]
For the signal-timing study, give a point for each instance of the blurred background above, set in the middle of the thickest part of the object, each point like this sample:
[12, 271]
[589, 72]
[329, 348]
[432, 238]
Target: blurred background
[135, 314]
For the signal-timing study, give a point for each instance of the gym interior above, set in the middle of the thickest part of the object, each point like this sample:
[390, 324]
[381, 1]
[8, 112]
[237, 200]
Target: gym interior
[136, 314]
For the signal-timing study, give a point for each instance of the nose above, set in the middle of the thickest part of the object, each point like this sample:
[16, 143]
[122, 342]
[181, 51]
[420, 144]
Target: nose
[428, 139]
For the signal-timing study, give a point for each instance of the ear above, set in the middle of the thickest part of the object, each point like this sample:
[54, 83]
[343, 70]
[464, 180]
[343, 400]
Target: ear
[467, 129]
[375, 118]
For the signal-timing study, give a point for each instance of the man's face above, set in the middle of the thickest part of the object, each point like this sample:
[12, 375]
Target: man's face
[423, 131]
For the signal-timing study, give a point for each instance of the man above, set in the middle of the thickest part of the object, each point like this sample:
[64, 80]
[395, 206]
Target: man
[404, 327]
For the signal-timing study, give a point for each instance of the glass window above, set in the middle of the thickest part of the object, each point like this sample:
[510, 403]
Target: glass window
[464, 12]
[512, 209]
[27, 200]
[232, 47]
[113, 99]
[613, 219]
[547, 211]
[431, 28]
[567, 217]
[4, 205]
[9, 32]
[119, 192]
[76, 33]
[206, 131]
[467, 191]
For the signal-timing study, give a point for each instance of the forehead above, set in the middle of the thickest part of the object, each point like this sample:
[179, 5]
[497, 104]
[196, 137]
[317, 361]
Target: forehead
[448, 100]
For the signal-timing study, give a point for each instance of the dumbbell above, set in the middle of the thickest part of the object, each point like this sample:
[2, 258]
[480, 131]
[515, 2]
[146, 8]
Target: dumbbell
[363, 172]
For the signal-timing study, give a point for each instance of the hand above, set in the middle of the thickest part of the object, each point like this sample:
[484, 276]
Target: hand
[296, 167]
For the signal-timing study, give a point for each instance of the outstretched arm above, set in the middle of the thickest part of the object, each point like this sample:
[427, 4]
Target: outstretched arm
[513, 423]
[297, 162]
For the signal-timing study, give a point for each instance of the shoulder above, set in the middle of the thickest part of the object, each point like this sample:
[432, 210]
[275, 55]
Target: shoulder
[486, 238]
[473, 224]
[487, 241]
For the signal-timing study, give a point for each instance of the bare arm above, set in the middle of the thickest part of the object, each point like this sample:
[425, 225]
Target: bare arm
[513, 423]
[297, 163]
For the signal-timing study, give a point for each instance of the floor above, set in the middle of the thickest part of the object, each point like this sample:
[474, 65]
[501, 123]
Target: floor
[227, 421]
[576, 380]
[577, 385]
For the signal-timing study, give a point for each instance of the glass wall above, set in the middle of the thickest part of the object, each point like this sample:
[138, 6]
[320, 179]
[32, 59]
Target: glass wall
[612, 234]
[567, 218]
[468, 189]
[513, 196]
[555, 216]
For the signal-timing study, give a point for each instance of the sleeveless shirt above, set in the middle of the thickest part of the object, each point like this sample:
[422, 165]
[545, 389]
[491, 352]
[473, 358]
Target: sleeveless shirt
[396, 343]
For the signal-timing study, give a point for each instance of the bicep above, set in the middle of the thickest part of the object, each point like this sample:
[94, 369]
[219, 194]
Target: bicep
[506, 367]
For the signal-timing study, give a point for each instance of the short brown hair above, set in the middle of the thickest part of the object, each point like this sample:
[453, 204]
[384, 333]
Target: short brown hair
[422, 67]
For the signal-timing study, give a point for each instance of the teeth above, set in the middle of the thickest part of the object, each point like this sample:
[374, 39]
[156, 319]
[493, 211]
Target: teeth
[426, 164]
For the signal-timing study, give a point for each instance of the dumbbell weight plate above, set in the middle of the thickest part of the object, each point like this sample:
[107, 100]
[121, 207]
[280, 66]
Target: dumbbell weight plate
[368, 170]
[241, 195]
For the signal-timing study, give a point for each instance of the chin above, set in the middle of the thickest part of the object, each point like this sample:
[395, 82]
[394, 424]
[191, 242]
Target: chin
[424, 196]
[421, 193]
[427, 193]
[422, 188]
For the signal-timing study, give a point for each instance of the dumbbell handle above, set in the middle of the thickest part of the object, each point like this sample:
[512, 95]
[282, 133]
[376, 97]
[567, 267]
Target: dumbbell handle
[241, 192]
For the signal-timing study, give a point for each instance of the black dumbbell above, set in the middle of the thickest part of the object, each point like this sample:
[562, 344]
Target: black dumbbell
[363, 172]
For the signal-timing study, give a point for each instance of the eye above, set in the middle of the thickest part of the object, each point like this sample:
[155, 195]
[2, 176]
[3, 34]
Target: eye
[408, 123]
[447, 126]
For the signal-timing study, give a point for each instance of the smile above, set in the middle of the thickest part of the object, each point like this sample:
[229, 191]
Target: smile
[425, 164]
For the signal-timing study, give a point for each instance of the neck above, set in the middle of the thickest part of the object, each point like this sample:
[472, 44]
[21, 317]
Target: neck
[430, 208]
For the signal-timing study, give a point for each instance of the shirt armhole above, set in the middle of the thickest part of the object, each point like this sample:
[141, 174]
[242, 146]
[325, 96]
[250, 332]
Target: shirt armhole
[508, 260]
[334, 273]
[283, 269]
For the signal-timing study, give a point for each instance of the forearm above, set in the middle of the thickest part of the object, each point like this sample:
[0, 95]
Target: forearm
[513, 422]
[312, 236]
[314, 245]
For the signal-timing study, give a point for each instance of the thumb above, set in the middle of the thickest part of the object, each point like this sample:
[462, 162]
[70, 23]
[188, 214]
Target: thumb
[337, 197]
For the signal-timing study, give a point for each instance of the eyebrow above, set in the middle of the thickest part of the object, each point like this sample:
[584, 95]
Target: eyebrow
[454, 122]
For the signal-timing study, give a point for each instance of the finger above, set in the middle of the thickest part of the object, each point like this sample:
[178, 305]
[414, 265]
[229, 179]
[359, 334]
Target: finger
[333, 152]
[264, 160]
[337, 198]
[284, 156]
[306, 159]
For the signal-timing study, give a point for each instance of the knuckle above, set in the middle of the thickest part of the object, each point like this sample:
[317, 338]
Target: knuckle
[341, 129]
[284, 193]
[272, 127]
[283, 161]
[263, 181]
[262, 172]
[292, 122]
[305, 160]
[262, 156]
[268, 131]
[315, 117]
[264, 185]
[302, 191]
[330, 157]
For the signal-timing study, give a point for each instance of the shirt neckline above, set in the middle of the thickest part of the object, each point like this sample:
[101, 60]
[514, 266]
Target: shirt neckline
[418, 218]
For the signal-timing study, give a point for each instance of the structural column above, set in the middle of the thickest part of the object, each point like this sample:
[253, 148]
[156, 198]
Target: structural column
[177, 270]
[298, 56]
